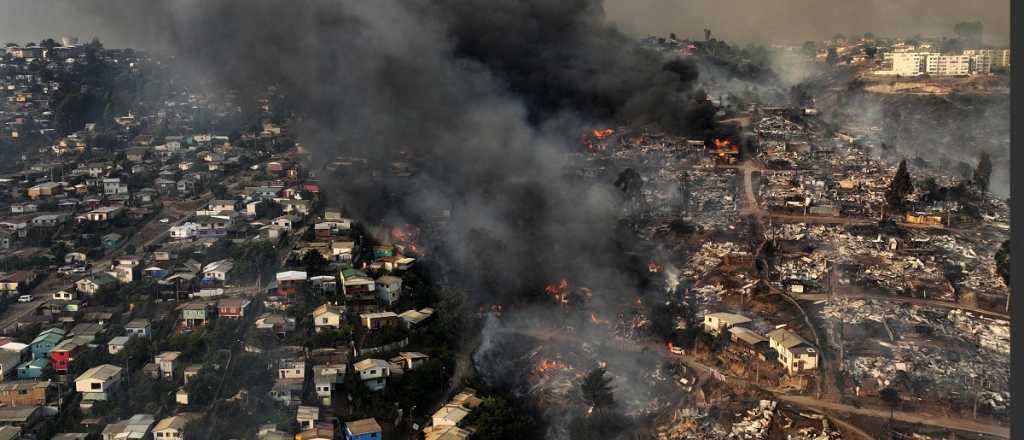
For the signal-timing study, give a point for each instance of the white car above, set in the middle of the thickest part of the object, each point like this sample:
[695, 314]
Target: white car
[25, 298]
[165, 220]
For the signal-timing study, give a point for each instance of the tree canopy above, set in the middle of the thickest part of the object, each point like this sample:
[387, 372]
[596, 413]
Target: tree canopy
[983, 173]
[597, 390]
[900, 187]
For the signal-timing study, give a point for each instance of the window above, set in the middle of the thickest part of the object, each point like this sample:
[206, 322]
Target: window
[95, 386]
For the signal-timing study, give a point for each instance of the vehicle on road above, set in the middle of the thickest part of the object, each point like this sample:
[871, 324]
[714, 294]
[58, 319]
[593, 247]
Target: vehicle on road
[165, 220]
[25, 298]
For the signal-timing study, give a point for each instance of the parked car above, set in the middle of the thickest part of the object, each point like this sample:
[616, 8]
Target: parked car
[25, 298]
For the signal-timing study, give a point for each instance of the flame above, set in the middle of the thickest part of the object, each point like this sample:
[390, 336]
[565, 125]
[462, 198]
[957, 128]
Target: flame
[548, 365]
[603, 133]
[598, 320]
[557, 291]
[652, 266]
[725, 146]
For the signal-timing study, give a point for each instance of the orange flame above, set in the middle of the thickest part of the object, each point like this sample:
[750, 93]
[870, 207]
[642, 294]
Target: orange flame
[557, 290]
[603, 133]
[597, 320]
[723, 146]
[548, 365]
[652, 266]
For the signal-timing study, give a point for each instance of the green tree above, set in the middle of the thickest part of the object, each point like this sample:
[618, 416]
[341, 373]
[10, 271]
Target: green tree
[899, 188]
[498, 419]
[983, 173]
[314, 261]
[870, 51]
[597, 390]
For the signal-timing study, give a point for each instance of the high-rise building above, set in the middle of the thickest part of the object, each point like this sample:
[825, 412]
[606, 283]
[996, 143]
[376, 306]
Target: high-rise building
[981, 60]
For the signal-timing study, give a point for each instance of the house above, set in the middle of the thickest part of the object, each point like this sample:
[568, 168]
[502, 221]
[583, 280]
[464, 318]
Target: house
[373, 373]
[17, 281]
[328, 316]
[117, 344]
[364, 429]
[135, 427]
[234, 308]
[388, 288]
[138, 327]
[98, 382]
[450, 415]
[24, 393]
[299, 207]
[325, 284]
[20, 416]
[319, 431]
[409, 360]
[173, 427]
[48, 220]
[32, 369]
[306, 416]
[714, 323]
[326, 379]
[218, 270]
[103, 213]
[43, 190]
[374, 321]
[45, 341]
[291, 282]
[9, 361]
[62, 295]
[279, 324]
[795, 353]
[413, 318]
[63, 353]
[184, 231]
[196, 314]
[181, 396]
[285, 222]
[168, 363]
[293, 368]
[113, 186]
[94, 283]
[287, 391]
[125, 274]
[356, 282]
[191, 371]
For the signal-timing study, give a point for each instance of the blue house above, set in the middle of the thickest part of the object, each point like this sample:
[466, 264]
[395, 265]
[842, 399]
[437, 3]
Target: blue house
[45, 341]
[365, 429]
[32, 369]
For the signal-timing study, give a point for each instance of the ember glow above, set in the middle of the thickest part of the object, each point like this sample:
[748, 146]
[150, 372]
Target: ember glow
[547, 365]
[597, 320]
[603, 133]
[653, 267]
[557, 291]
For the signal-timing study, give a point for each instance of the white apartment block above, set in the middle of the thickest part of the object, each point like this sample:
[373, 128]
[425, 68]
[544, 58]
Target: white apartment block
[909, 63]
[948, 65]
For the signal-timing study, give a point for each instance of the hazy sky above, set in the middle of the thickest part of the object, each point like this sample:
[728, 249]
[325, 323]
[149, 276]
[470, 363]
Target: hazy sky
[794, 21]
[741, 21]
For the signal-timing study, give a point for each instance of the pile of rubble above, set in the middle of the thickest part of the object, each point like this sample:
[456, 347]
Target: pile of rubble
[755, 423]
[708, 257]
